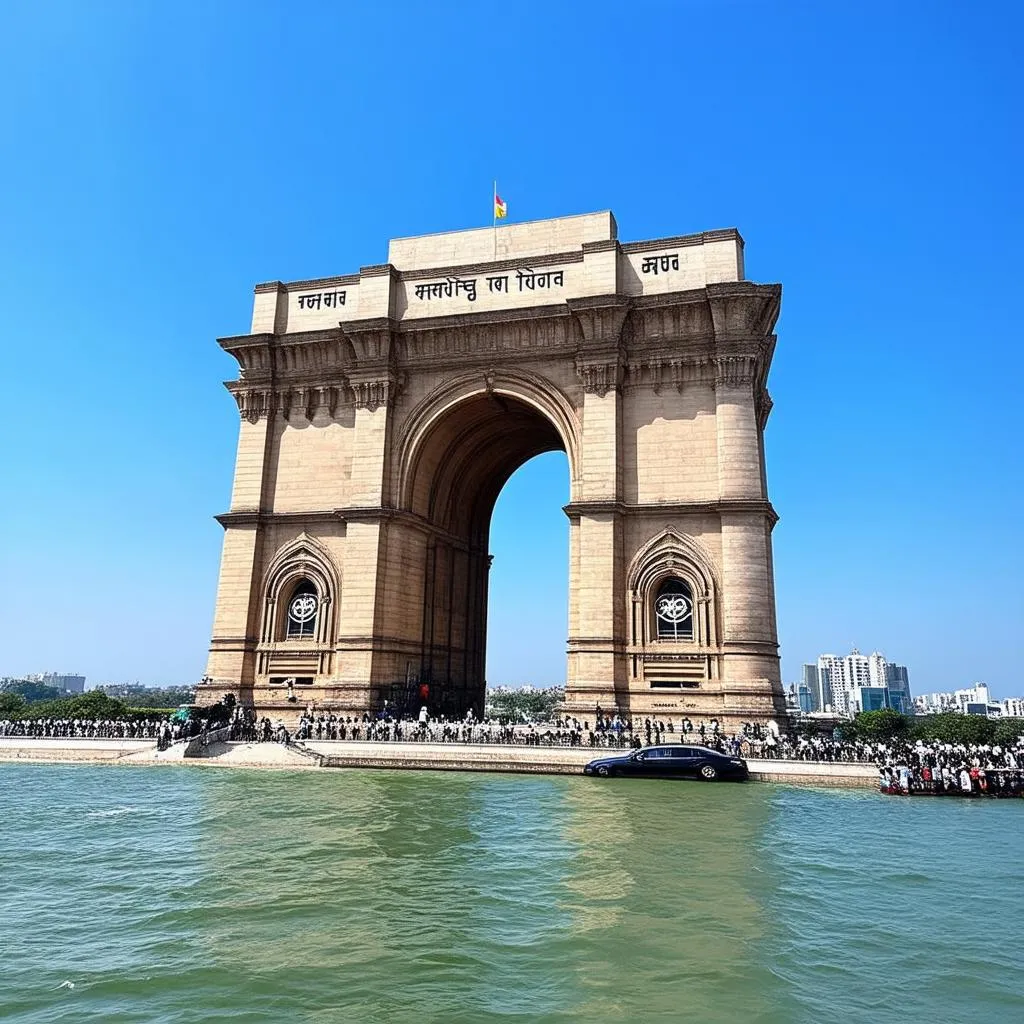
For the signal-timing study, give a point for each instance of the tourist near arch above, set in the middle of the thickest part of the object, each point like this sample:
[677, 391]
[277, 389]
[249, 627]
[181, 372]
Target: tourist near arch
[382, 413]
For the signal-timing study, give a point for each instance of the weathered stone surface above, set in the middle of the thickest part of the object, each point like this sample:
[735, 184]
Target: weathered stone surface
[382, 412]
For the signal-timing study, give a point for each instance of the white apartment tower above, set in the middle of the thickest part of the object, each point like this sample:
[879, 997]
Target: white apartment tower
[849, 673]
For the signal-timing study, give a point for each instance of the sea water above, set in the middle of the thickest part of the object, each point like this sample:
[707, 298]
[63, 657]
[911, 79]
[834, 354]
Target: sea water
[183, 894]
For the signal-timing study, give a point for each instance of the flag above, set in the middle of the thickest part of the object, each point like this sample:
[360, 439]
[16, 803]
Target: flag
[500, 207]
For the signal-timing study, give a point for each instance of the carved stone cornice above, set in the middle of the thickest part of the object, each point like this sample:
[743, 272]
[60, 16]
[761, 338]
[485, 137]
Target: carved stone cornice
[600, 319]
[253, 352]
[253, 403]
[658, 372]
[481, 338]
[375, 393]
[736, 371]
[308, 399]
[599, 355]
[741, 309]
[598, 378]
[715, 506]
[372, 340]
[373, 377]
[317, 354]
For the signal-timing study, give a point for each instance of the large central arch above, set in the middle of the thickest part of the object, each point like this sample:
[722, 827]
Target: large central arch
[459, 450]
[383, 412]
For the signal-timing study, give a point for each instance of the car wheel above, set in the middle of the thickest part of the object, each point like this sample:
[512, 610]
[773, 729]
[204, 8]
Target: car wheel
[709, 772]
[603, 772]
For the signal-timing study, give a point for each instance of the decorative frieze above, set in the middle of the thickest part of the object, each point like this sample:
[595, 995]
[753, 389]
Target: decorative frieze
[256, 403]
[374, 394]
[253, 404]
[735, 371]
[599, 378]
[666, 372]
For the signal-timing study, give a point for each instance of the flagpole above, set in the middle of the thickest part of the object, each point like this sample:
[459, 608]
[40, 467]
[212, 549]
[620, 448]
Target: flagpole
[494, 217]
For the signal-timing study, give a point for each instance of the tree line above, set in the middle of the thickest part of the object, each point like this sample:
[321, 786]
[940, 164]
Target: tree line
[950, 727]
[26, 699]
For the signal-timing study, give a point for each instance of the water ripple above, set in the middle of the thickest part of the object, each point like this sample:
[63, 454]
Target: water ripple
[192, 895]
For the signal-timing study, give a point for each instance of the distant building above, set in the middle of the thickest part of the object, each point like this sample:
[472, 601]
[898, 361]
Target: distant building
[805, 698]
[973, 700]
[831, 668]
[851, 673]
[65, 682]
[1013, 707]
[816, 682]
[898, 681]
[872, 698]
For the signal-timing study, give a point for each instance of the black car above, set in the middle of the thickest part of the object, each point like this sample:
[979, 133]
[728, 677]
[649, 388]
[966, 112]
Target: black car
[671, 762]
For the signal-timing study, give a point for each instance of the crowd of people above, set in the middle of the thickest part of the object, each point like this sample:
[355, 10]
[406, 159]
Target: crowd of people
[605, 732]
[90, 729]
[921, 767]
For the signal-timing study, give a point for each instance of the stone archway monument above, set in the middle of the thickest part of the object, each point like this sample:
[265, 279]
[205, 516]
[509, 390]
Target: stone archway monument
[382, 413]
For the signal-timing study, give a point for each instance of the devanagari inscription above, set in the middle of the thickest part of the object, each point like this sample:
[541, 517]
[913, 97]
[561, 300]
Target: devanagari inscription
[329, 300]
[665, 263]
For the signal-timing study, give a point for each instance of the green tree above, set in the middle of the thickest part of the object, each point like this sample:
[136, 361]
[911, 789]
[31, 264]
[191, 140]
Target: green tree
[32, 692]
[1008, 731]
[520, 704]
[12, 705]
[882, 725]
[160, 696]
[953, 727]
[93, 704]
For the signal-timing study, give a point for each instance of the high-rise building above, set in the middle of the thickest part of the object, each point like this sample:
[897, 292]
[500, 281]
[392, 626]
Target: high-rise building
[805, 698]
[831, 668]
[899, 688]
[816, 684]
[847, 676]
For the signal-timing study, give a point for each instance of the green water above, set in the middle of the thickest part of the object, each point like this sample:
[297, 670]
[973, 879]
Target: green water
[190, 894]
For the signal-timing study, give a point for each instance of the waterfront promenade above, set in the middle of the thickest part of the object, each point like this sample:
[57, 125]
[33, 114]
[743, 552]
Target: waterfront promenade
[322, 754]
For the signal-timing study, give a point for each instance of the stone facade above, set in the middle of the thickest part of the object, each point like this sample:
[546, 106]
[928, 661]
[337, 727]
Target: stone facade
[382, 413]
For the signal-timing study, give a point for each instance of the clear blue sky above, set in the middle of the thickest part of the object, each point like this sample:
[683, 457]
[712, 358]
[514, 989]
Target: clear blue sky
[158, 160]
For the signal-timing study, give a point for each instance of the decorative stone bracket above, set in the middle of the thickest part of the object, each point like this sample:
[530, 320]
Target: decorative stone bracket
[374, 379]
[599, 357]
[373, 394]
[599, 378]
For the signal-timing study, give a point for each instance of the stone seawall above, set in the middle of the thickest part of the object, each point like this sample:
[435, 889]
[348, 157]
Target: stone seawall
[416, 756]
[556, 761]
[30, 748]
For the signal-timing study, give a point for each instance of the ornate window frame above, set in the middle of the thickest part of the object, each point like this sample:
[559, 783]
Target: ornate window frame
[672, 555]
[304, 560]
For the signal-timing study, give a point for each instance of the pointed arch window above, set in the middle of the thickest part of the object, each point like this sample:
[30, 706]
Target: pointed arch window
[303, 609]
[673, 610]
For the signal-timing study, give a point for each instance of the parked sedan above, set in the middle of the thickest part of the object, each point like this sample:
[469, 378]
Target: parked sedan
[671, 762]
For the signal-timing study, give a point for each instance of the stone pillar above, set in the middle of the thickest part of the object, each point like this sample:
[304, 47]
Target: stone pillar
[231, 661]
[597, 668]
[374, 384]
[749, 641]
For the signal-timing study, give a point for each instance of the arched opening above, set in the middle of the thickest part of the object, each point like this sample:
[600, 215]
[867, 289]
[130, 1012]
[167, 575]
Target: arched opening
[528, 603]
[452, 478]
